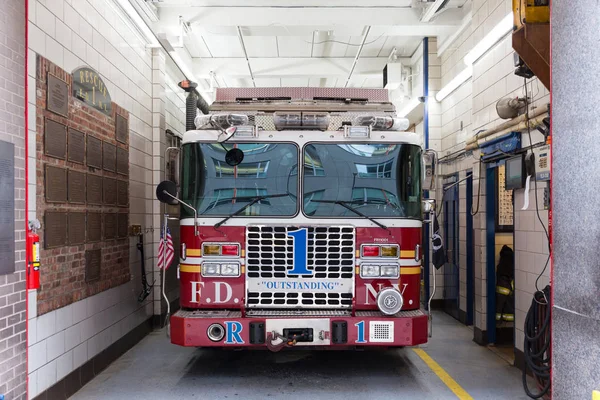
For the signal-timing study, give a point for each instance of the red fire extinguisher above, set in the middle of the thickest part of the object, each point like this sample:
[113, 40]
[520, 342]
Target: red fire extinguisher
[33, 258]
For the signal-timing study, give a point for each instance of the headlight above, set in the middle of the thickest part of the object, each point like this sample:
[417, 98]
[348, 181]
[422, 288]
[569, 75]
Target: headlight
[369, 271]
[211, 269]
[389, 271]
[230, 269]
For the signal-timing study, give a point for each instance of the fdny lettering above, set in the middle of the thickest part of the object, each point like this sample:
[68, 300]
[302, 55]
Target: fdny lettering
[220, 289]
[234, 330]
[300, 285]
[371, 291]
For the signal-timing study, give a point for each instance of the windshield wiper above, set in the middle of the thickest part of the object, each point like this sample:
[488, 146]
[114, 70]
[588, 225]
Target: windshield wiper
[253, 200]
[354, 210]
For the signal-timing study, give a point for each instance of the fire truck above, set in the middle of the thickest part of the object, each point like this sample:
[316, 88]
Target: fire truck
[301, 222]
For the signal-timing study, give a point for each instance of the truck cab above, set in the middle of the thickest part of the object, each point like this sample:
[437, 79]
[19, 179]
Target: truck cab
[301, 225]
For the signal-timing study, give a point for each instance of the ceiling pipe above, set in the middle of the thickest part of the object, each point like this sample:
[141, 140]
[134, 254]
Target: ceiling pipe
[241, 37]
[433, 9]
[362, 44]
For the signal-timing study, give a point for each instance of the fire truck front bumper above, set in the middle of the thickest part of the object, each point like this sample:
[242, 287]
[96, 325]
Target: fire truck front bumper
[284, 329]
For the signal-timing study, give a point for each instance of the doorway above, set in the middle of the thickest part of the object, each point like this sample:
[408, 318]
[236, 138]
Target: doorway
[451, 243]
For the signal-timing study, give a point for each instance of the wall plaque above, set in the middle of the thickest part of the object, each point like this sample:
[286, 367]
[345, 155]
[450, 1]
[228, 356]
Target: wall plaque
[76, 228]
[94, 189]
[55, 139]
[93, 262]
[122, 161]
[109, 157]
[7, 208]
[94, 227]
[94, 152]
[89, 88]
[122, 129]
[56, 184]
[122, 195]
[58, 96]
[109, 188]
[76, 187]
[55, 229]
[76, 146]
[110, 226]
[122, 225]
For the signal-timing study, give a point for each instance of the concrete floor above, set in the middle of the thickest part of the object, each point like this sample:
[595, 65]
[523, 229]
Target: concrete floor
[155, 369]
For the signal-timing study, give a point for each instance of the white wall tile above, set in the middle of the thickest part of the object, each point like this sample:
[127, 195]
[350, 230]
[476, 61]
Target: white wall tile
[46, 325]
[45, 20]
[64, 365]
[37, 356]
[80, 355]
[46, 376]
[73, 336]
[55, 345]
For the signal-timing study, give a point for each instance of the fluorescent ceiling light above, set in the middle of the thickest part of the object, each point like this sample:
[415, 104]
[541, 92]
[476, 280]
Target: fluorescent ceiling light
[458, 80]
[138, 21]
[490, 39]
[431, 10]
[466, 23]
[407, 109]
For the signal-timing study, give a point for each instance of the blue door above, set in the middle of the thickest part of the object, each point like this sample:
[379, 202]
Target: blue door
[450, 235]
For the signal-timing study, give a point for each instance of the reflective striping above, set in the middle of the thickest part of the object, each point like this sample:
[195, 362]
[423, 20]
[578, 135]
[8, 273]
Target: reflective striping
[410, 270]
[443, 375]
[596, 395]
[193, 252]
[189, 268]
[407, 254]
[357, 270]
[357, 253]
[243, 269]
[503, 290]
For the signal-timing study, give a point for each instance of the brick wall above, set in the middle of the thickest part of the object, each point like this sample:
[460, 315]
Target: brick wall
[63, 280]
[12, 129]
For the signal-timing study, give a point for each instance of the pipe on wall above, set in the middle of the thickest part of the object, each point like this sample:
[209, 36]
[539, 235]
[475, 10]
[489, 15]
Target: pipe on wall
[519, 126]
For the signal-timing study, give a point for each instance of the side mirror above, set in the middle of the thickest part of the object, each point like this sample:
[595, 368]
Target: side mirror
[166, 192]
[428, 165]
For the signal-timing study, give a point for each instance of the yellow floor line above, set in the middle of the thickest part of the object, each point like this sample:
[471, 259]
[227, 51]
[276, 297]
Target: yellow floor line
[443, 375]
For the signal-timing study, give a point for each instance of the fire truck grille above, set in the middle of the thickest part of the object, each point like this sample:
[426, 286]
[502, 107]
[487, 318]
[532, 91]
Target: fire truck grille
[330, 260]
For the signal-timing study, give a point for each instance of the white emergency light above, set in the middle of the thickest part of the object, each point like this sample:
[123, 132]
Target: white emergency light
[222, 121]
[301, 120]
[379, 123]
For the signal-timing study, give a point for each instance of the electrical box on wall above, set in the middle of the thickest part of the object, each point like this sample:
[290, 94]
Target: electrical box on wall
[542, 163]
[395, 76]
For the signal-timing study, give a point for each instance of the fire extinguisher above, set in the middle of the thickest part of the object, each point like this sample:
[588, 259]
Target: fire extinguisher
[33, 256]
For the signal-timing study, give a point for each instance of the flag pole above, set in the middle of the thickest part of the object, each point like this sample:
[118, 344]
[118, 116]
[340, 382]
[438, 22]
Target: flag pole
[163, 271]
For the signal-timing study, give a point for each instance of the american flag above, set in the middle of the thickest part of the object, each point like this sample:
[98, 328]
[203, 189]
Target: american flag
[165, 250]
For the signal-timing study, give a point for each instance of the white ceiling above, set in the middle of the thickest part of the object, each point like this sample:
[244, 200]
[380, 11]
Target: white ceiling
[299, 42]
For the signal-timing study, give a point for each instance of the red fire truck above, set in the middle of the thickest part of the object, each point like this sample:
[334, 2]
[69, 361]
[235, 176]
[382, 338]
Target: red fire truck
[301, 217]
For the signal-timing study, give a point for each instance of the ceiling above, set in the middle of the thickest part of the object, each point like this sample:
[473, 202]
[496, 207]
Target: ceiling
[266, 43]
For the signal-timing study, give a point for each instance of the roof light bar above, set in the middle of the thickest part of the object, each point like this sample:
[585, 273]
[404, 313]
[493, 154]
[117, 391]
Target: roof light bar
[379, 123]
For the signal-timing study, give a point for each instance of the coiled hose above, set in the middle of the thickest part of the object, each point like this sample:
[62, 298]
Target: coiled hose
[537, 344]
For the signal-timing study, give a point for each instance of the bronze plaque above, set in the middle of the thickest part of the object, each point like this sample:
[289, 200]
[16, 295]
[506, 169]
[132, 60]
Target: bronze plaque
[122, 161]
[55, 139]
[94, 152]
[58, 96]
[94, 189]
[76, 187]
[109, 187]
[94, 227]
[122, 195]
[55, 229]
[122, 129]
[76, 146]
[89, 87]
[110, 225]
[122, 225]
[76, 228]
[109, 157]
[93, 262]
[56, 184]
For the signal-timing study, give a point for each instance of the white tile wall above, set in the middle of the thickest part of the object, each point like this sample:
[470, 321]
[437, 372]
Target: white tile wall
[72, 34]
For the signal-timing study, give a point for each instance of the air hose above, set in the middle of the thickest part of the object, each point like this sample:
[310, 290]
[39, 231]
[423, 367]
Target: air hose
[537, 344]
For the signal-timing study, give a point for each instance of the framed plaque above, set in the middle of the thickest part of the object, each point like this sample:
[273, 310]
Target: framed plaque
[58, 96]
[94, 227]
[94, 152]
[122, 193]
[122, 225]
[110, 226]
[76, 228]
[109, 188]
[94, 189]
[109, 157]
[122, 129]
[76, 187]
[55, 139]
[122, 161]
[93, 263]
[56, 184]
[55, 229]
[76, 146]
[7, 207]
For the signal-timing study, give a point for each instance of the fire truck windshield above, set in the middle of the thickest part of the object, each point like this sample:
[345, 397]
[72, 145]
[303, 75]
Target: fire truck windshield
[215, 188]
[378, 180]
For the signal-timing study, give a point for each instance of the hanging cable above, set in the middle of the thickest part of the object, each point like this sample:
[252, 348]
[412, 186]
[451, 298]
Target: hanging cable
[536, 345]
[474, 213]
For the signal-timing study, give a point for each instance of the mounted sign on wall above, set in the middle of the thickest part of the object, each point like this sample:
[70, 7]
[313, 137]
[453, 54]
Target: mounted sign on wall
[89, 88]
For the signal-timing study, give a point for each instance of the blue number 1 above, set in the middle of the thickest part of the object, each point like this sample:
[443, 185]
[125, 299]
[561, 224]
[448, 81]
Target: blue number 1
[360, 332]
[300, 266]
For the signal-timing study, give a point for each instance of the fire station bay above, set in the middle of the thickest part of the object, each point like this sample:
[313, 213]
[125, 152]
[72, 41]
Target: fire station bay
[299, 199]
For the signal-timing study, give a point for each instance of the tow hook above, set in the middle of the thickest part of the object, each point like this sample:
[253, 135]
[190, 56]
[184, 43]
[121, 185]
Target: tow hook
[273, 336]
